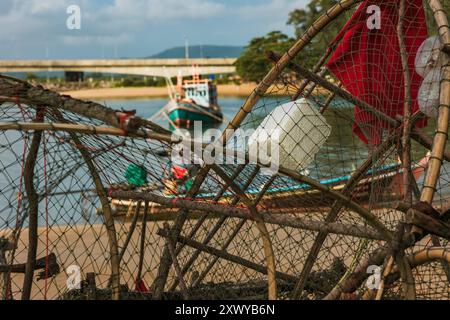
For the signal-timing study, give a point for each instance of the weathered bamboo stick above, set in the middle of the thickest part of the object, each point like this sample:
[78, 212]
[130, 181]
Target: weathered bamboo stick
[440, 140]
[38, 96]
[409, 291]
[407, 112]
[386, 271]
[86, 129]
[142, 242]
[109, 221]
[33, 213]
[5, 289]
[431, 254]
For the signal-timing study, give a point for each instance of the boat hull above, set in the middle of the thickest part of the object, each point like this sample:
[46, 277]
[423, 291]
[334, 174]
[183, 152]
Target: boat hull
[184, 115]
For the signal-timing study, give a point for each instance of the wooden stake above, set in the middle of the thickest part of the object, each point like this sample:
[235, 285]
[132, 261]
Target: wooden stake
[407, 113]
[33, 213]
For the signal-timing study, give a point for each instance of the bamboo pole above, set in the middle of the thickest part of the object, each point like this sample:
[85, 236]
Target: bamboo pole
[87, 129]
[4, 276]
[407, 112]
[428, 255]
[33, 210]
[13, 89]
[442, 21]
[142, 242]
[441, 136]
[407, 278]
[130, 231]
[386, 271]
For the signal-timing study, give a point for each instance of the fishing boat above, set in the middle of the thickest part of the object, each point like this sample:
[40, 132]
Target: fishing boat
[280, 199]
[197, 102]
[191, 101]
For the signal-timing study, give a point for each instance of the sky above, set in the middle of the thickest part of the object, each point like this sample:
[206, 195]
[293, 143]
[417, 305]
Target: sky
[37, 29]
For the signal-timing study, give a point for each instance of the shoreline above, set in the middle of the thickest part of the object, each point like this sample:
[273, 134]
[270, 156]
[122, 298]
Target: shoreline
[229, 90]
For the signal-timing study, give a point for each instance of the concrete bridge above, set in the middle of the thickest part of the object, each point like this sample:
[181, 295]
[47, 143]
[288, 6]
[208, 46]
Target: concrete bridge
[144, 67]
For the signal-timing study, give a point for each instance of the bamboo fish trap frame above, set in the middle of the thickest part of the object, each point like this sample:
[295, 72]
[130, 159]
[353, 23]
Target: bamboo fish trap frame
[236, 233]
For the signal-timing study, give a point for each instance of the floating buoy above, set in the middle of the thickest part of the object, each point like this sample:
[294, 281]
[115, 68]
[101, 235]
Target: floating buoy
[428, 64]
[291, 135]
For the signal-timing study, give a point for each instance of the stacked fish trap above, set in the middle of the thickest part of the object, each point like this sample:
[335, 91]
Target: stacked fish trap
[348, 201]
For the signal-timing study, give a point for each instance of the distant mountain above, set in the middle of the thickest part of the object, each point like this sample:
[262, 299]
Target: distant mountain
[206, 51]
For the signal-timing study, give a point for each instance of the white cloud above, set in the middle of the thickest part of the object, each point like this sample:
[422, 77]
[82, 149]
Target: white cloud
[149, 10]
[144, 26]
[106, 40]
[273, 12]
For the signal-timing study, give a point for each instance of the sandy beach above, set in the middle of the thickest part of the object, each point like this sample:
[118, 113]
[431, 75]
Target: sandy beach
[229, 90]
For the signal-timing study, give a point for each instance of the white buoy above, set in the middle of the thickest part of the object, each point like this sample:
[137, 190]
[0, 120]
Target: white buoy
[291, 135]
[427, 57]
[429, 92]
[428, 64]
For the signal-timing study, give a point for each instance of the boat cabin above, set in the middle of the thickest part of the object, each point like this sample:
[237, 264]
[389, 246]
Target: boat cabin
[202, 92]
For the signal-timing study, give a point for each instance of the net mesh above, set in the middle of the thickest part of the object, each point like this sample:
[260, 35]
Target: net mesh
[311, 231]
